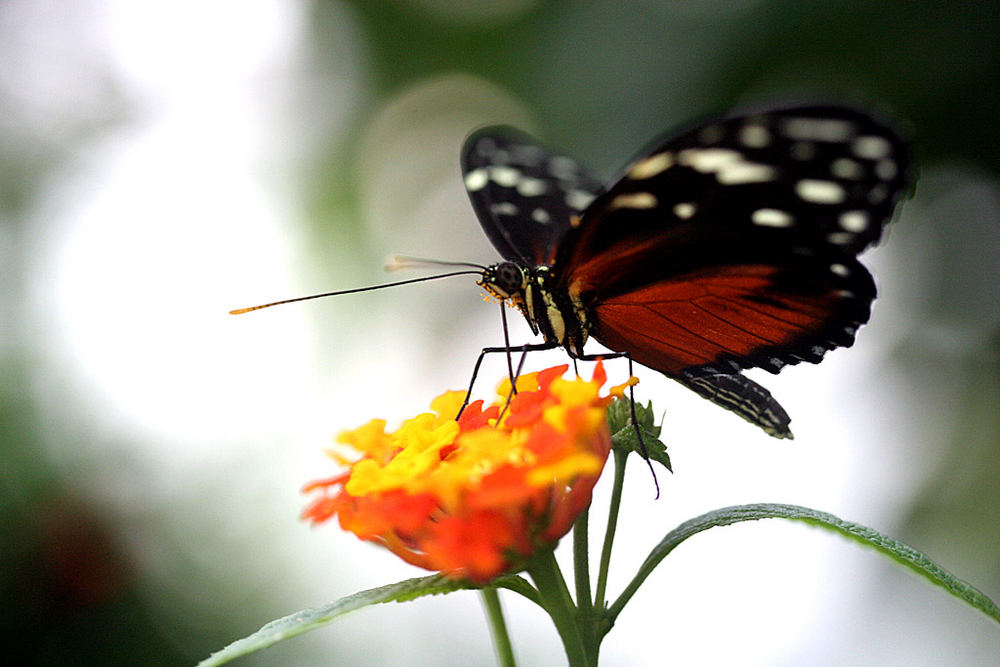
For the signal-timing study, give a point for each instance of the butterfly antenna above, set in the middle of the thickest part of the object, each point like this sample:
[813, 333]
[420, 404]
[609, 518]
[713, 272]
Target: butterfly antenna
[399, 262]
[240, 311]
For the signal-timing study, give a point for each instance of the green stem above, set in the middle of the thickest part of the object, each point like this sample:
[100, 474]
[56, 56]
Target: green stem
[609, 534]
[498, 627]
[581, 562]
[581, 578]
[556, 600]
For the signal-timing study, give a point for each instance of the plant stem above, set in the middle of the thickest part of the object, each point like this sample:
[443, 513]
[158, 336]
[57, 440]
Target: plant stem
[581, 562]
[498, 627]
[555, 597]
[609, 533]
[581, 578]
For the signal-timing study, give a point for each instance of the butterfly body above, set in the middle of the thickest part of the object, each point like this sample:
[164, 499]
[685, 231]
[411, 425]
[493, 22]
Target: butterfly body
[549, 312]
[730, 246]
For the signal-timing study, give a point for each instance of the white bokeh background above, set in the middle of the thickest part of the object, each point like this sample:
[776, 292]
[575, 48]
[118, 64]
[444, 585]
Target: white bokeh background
[194, 429]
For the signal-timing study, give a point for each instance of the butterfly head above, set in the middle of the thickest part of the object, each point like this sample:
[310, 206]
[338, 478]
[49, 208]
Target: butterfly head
[505, 280]
[514, 284]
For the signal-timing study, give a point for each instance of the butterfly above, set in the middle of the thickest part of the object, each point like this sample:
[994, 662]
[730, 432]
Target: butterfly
[728, 246]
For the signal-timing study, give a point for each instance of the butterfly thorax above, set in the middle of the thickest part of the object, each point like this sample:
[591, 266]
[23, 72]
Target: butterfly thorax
[548, 311]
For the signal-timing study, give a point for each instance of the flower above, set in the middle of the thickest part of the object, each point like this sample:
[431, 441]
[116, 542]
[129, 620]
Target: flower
[476, 496]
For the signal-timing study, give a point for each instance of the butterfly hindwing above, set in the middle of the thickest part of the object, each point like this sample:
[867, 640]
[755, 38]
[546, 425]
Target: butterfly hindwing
[733, 245]
[524, 195]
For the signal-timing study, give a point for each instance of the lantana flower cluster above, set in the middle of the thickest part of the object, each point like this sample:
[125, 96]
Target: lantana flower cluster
[476, 496]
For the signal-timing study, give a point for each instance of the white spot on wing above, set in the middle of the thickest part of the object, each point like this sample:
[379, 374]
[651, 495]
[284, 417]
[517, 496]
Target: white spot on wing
[651, 166]
[730, 167]
[839, 238]
[754, 136]
[771, 217]
[504, 208]
[634, 200]
[505, 176]
[878, 194]
[840, 270]
[819, 191]
[745, 172]
[886, 169]
[871, 147]
[578, 199]
[541, 216]
[854, 221]
[531, 187]
[476, 179]
[684, 210]
[845, 167]
[708, 160]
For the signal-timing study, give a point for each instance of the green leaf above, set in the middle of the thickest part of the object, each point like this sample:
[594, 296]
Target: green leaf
[310, 619]
[901, 553]
[623, 432]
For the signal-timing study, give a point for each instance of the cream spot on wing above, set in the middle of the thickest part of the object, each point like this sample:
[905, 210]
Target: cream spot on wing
[771, 217]
[504, 208]
[531, 187]
[684, 210]
[578, 199]
[651, 166]
[871, 147]
[730, 167]
[634, 200]
[819, 191]
[541, 216]
[845, 167]
[878, 194]
[754, 136]
[476, 179]
[745, 172]
[854, 221]
[708, 159]
[505, 176]
[886, 169]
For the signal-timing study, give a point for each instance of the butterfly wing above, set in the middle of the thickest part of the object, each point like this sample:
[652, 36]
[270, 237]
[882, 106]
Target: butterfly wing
[739, 394]
[733, 245]
[524, 195]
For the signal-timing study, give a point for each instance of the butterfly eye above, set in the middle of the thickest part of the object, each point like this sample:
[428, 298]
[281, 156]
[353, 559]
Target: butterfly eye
[504, 280]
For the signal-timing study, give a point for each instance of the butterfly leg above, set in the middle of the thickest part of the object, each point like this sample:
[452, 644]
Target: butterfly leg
[524, 349]
[631, 395]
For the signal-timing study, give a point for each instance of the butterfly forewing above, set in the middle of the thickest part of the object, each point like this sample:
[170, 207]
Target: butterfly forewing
[524, 196]
[732, 245]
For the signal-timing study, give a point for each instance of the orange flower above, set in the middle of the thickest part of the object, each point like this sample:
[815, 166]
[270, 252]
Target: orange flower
[474, 498]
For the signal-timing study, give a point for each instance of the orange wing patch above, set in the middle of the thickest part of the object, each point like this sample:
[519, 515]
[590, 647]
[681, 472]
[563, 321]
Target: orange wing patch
[698, 318]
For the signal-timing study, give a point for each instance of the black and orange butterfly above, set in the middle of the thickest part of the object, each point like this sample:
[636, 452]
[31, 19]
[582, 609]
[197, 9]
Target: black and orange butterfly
[728, 246]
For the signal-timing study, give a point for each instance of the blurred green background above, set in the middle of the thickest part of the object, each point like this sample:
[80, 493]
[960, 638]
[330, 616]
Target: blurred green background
[161, 163]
